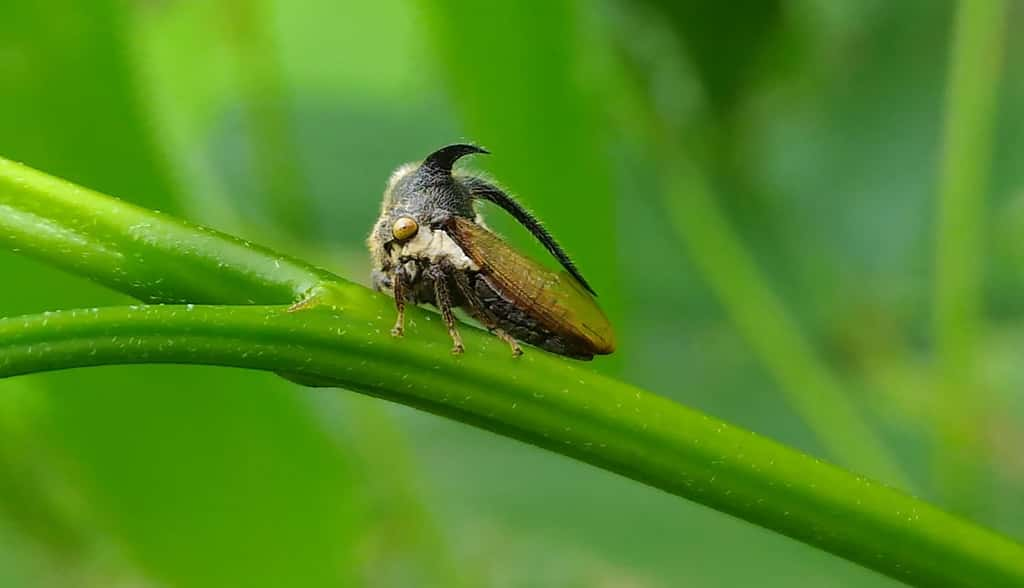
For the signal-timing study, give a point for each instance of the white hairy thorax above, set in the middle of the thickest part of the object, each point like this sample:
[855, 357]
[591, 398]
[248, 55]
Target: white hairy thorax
[434, 246]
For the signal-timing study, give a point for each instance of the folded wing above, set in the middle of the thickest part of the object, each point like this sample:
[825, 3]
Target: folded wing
[555, 299]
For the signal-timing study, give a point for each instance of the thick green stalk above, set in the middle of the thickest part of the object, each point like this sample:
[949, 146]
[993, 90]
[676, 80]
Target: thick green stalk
[541, 399]
[153, 257]
[970, 114]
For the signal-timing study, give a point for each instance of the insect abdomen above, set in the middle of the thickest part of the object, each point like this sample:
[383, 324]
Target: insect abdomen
[519, 323]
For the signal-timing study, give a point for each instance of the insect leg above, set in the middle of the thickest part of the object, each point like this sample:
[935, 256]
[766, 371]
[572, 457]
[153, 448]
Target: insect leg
[307, 302]
[481, 313]
[501, 334]
[398, 287]
[444, 303]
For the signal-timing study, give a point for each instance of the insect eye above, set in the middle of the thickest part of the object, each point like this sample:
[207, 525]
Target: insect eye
[404, 228]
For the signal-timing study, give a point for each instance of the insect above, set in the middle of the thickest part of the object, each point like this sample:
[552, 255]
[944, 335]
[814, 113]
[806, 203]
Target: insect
[430, 246]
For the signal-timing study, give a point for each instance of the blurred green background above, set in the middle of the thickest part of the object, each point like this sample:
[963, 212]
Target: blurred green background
[814, 128]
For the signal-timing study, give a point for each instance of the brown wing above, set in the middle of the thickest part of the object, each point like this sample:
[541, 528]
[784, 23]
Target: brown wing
[555, 299]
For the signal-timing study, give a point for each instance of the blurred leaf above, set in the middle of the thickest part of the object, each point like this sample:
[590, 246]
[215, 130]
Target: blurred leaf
[725, 41]
[974, 74]
[203, 475]
[69, 100]
[266, 111]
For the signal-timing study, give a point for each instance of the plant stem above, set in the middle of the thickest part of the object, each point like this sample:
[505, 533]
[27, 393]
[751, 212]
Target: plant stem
[813, 391]
[974, 76]
[546, 401]
[150, 256]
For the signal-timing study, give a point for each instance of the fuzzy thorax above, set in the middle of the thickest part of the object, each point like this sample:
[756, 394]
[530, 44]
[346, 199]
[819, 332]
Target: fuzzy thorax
[434, 246]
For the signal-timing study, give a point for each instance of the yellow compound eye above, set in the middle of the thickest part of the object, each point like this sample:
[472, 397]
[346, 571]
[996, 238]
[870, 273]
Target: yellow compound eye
[404, 228]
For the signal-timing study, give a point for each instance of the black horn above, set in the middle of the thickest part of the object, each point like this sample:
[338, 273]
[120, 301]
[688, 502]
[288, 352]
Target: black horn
[444, 158]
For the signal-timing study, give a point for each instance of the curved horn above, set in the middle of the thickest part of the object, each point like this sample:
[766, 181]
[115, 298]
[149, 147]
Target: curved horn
[444, 158]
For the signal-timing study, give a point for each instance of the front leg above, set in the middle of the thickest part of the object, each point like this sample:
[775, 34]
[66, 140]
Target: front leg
[399, 288]
[443, 300]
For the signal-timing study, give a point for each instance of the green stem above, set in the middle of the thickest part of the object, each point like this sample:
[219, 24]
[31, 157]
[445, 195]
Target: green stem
[541, 399]
[546, 401]
[151, 256]
[810, 387]
[974, 77]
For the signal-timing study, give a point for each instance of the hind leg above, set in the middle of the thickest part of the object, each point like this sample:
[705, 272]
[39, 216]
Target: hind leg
[479, 311]
[512, 343]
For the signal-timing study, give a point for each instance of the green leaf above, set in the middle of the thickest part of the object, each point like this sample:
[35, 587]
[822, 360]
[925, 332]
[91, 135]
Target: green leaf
[974, 72]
